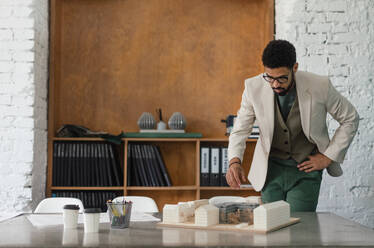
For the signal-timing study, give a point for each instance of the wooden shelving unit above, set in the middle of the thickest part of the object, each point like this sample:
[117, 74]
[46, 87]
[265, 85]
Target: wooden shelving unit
[110, 62]
[182, 159]
[86, 188]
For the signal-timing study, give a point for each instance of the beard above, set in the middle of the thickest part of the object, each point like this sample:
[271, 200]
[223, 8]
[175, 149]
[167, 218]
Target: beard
[284, 91]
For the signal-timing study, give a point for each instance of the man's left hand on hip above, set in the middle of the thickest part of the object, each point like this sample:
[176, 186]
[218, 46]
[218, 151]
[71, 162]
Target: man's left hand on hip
[315, 162]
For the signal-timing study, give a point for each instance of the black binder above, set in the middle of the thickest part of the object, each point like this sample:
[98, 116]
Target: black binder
[155, 166]
[85, 166]
[214, 175]
[117, 172]
[148, 166]
[69, 154]
[136, 170]
[161, 164]
[96, 181]
[90, 170]
[95, 165]
[65, 165]
[204, 166]
[83, 180]
[141, 160]
[59, 167]
[72, 175]
[55, 165]
[224, 166]
[140, 166]
[130, 171]
[103, 172]
[78, 164]
[107, 164]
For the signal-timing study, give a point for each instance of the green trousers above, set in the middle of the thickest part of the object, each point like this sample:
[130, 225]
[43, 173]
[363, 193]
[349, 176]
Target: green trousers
[285, 182]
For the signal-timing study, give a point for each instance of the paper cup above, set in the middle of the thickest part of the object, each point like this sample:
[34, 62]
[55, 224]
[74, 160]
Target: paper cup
[70, 237]
[70, 216]
[91, 239]
[91, 219]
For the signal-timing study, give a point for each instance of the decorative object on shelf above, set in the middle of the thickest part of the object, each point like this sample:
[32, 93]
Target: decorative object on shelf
[161, 125]
[177, 121]
[147, 121]
[230, 120]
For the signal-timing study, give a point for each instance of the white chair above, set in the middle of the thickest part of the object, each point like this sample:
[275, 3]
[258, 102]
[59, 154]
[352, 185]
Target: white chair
[215, 200]
[56, 204]
[139, 203]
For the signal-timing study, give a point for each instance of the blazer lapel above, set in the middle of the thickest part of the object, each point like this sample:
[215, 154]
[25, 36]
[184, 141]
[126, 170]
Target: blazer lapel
[267, 97]
[305, 102]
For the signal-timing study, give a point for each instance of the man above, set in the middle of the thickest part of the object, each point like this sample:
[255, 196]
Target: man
[290, 107]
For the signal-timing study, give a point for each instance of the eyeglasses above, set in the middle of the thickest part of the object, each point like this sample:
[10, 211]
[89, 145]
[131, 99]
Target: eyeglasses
[270, 79]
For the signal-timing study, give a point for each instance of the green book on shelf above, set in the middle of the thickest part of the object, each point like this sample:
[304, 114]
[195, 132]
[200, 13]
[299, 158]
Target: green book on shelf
[163, 135]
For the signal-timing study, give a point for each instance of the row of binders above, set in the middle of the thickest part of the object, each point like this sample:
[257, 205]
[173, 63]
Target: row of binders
[146, 166]
[213, 166]
[85, 164]
[90, 199]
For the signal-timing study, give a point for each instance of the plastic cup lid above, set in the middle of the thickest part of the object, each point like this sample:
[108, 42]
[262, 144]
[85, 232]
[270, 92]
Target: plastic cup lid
[71, 207]
[92, 210]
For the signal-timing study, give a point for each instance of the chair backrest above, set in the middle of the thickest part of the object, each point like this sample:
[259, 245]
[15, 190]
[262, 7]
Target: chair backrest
[56, 204]
[222, 199]
[139, 203]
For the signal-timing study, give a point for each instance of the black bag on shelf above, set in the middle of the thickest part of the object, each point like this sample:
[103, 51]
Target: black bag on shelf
[70, 130]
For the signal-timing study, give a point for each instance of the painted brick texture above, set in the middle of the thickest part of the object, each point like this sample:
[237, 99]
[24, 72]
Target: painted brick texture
[335, 38]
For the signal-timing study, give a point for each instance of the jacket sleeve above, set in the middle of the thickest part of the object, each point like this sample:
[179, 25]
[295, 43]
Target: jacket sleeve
[344, 113]
[242, 126]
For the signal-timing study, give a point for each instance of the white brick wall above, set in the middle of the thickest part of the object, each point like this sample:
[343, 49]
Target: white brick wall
[23, 106]
[338, 37]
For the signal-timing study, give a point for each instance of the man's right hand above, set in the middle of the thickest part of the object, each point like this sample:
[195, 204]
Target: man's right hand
[235, 176]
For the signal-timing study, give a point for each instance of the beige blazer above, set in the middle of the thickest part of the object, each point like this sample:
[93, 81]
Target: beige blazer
[317, 97]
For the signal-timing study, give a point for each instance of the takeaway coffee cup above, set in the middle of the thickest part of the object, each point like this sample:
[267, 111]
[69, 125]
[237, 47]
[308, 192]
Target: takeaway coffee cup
[91, 219]
[70, 216]
[70, 237]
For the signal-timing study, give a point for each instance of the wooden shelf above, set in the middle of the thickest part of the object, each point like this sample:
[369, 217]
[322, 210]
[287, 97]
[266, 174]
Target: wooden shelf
[151, 139]
[87, 188]
[163, 139]
[147, 188]
[162, 188]
[222, 140]
[226, 188]
[78, 139]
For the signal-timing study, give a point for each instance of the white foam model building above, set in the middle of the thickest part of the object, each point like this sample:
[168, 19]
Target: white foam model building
[207, 215]
[201, 202]
[190, 209]
[174, 213]
[253, 199]
[270, 215]
[192, 204]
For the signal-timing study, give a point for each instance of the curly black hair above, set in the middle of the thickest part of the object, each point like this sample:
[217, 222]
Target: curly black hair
[279, 53]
